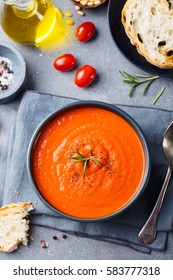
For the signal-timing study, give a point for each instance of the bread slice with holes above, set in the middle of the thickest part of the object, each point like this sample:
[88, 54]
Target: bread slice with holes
[149, 25]
[14, 225]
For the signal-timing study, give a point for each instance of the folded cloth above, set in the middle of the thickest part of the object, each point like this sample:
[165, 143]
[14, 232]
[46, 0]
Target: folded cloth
[15, 185]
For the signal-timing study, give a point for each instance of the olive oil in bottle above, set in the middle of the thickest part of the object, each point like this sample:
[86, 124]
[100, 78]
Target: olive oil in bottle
[28, 21]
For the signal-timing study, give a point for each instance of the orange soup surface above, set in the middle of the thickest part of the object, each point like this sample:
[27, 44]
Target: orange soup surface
[113, 171]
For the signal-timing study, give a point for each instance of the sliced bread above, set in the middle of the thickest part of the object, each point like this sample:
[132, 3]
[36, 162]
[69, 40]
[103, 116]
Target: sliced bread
[14, 226]
[149, 25]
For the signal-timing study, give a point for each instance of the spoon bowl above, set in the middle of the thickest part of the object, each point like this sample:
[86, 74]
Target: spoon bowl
[148, 232]
[168, 144]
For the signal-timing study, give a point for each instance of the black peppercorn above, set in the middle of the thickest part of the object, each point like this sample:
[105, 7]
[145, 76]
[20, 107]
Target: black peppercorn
[64, 236]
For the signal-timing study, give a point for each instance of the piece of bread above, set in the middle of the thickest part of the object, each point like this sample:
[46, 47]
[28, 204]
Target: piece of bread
[14, 225]
[149, 25]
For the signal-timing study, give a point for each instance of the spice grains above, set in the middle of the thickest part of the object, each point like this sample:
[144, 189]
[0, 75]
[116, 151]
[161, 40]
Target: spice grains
[6, 73]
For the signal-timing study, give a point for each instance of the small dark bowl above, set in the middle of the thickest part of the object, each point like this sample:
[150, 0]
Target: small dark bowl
[19, 76]
[96, 104]
[86, 6]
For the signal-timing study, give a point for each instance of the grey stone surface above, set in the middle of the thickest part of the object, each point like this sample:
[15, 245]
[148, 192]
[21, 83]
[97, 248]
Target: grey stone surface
[102, 53]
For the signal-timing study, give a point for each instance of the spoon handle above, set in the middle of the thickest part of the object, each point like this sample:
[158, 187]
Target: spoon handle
[148, 232]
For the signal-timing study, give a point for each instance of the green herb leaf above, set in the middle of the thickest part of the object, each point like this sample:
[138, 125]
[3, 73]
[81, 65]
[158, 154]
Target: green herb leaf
[84, 168]
[136, 80]
[161, 91]
[146, 87]
[77, 152]
[84, 160]
[77, 159]
[144, 76]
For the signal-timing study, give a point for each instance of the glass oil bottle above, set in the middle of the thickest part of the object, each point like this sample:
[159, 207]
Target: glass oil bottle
[28, 21]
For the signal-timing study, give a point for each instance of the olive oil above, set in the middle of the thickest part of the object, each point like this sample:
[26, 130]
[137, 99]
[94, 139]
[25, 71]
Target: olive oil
[29, 23]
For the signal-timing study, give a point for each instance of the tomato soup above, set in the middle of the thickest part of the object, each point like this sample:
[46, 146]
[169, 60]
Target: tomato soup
[88, 162]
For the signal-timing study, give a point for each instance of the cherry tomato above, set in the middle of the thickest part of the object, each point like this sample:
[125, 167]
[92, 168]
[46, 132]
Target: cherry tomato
[64, 62]
[85, 76]
[85, 31]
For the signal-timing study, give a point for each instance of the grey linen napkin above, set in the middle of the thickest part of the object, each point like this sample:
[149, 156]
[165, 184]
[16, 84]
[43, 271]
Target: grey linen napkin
[15, 185]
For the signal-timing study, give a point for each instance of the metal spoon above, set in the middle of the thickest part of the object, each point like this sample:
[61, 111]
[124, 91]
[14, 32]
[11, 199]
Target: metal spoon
[148, 232]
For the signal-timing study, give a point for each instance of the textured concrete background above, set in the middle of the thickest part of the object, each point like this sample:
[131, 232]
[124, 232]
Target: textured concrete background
[102, 53]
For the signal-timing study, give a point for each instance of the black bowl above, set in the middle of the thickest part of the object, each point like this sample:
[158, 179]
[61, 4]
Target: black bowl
[96, 104]
[123, 42]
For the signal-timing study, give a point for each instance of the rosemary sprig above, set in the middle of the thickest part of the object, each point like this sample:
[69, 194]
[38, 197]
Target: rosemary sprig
[136, 80]
[158, 95]
[84, 160]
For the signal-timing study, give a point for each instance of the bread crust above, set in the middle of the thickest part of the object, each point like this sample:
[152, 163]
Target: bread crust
[159, 9]
[12, 216]
[20, 205]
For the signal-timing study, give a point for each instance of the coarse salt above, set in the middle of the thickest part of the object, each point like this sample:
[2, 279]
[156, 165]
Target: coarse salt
[6, 73]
